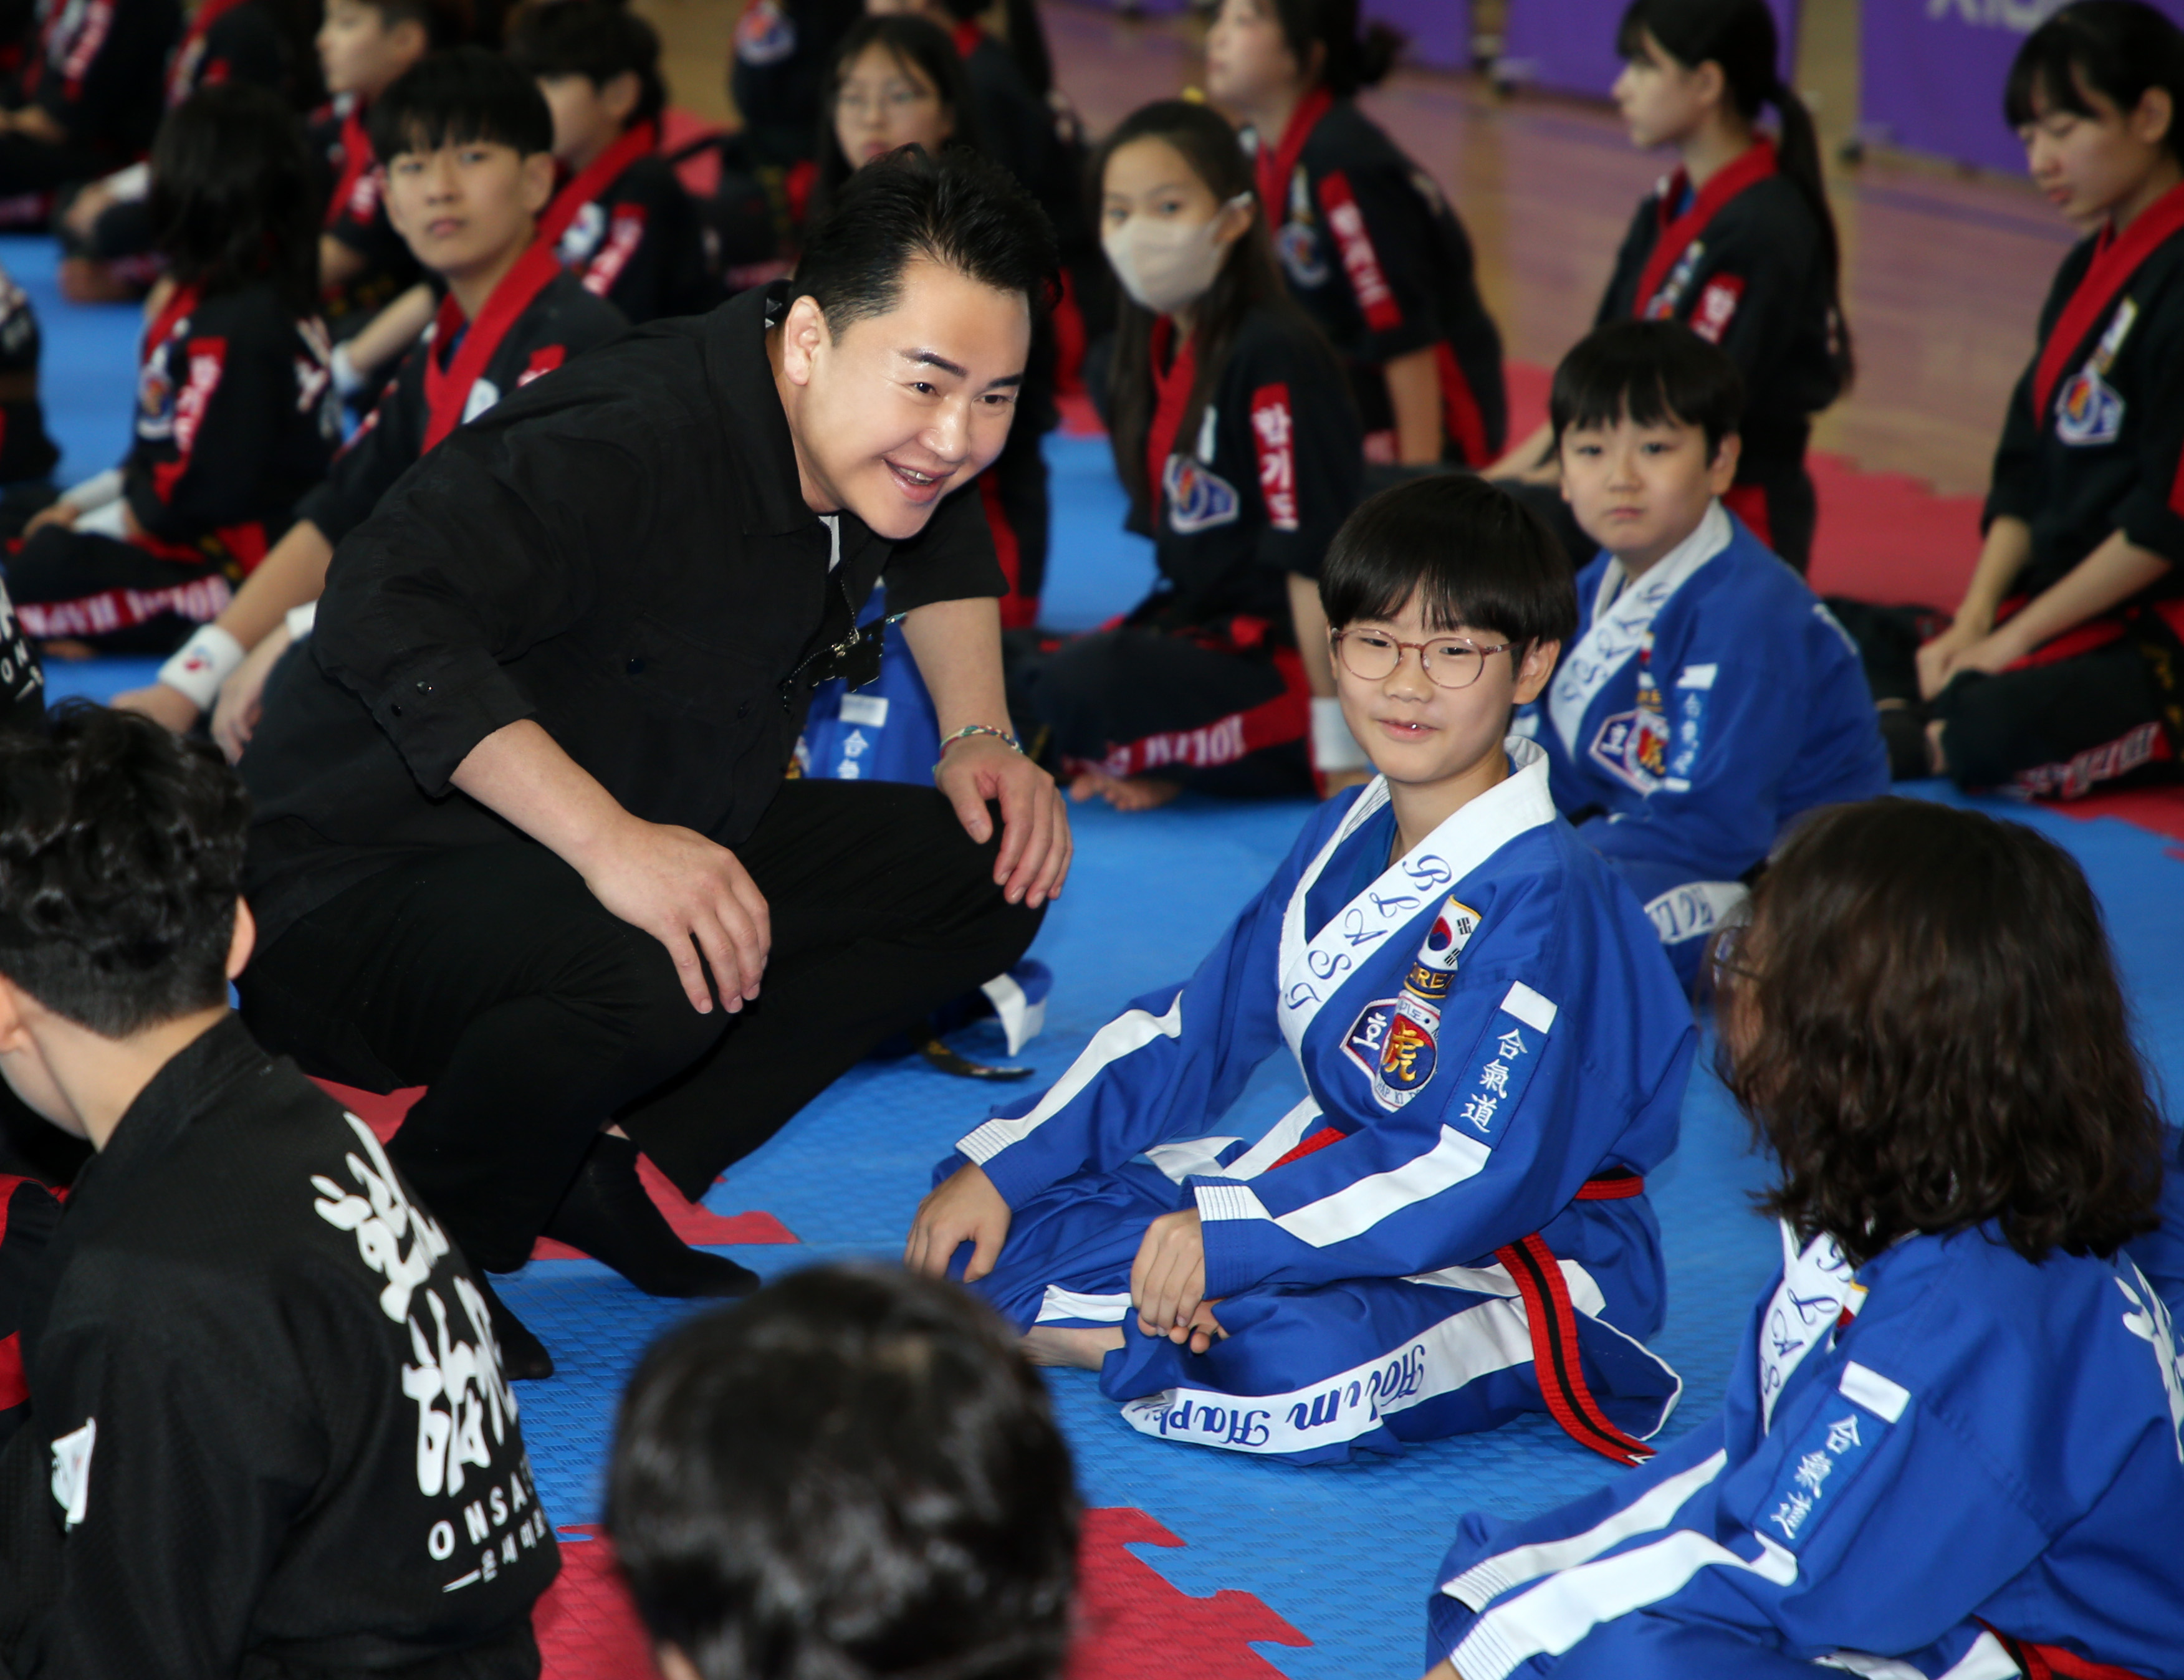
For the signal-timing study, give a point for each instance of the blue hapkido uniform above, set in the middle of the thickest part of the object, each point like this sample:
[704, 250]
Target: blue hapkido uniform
[1987, 1452]
[1483, 1025]
[1699, 712]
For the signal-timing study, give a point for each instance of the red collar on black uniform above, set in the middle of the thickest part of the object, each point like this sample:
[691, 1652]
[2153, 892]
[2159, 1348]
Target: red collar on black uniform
[356, 159]
[2115, 260]
[180, 305]
[1274, 164]
[448, 391]
[968, 35]
[1677, 232]
[594, 178]
[1171, 396]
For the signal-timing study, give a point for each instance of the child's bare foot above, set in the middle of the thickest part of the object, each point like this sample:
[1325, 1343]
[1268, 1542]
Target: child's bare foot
[1052, 1345]
[1123, 792]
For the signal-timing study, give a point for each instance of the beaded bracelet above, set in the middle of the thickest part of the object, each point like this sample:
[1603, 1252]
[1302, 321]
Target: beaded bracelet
[970, 729]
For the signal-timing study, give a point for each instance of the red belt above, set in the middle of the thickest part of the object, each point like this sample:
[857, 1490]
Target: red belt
[2052, 1662]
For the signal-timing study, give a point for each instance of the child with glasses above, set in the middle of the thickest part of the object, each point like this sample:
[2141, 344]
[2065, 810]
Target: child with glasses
[1451, 1227]
[1709, 698]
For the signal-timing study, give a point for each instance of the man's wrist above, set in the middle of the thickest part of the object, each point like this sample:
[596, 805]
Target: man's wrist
[974, 731]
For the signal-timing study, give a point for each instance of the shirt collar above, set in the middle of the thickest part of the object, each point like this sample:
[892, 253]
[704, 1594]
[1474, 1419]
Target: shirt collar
[193, 1082]
[1668, 575]
[759, 450]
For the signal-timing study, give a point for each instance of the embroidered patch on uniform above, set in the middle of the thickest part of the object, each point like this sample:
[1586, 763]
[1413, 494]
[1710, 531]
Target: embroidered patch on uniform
[483, 394]
[1633, 746]
[2088, 411]
[585, 231]
[208, 357]
[155, 401]
[1687, 725]
[1502, 1062]
[1298, 242]
[1197, 499]
[1360, 261]
[1663, 304]
[72, 1472]
[624, 235]
[1717, 307]
[1397, 1040]
[1273, 436]
[542, 362]
[2150, 1323]
[1817, 1470]
[765, 35]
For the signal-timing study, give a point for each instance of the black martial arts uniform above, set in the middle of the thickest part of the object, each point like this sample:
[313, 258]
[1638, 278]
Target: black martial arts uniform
[355, 218]
[1740, 263]
[27, 453]
[431, 394]
[628, 230]
[1374, 251]
[621, 554]
[1201, 682]
[98, 71]
[2093, 444]
[269, 1433]
[29, 1215]
[233, 426]
[22, 683]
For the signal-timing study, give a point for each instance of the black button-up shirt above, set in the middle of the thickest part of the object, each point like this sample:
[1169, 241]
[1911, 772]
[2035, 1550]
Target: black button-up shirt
[620, 551]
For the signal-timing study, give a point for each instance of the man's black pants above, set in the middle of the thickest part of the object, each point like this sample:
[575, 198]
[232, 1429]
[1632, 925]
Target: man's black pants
[491, 974]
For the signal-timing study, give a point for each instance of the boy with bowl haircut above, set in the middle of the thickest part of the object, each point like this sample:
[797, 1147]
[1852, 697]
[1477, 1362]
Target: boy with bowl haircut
[268, 1430]
[1709, 698]
[1450, 1228]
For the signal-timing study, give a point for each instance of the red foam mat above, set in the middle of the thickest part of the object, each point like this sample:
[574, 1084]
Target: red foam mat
[1131, 1621]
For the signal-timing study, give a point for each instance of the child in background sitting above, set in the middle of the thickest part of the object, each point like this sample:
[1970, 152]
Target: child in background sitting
[1450, 1228]
[1950, 1446]
[1708, 699]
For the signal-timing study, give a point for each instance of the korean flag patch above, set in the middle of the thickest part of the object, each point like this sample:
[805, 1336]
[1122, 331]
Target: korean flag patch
[2088, 411]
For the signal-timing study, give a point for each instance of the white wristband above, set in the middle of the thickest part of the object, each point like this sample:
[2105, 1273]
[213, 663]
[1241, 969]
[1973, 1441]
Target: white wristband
[347, 381]
[301, 618]
[1333, 748]
[206, 660]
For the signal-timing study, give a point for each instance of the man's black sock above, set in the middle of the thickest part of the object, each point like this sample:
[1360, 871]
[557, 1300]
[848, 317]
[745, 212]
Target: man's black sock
[608, 1214]
[523, 1356]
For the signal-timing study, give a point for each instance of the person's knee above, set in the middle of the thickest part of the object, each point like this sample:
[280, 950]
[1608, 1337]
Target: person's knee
[620, 978]
[1972, 732]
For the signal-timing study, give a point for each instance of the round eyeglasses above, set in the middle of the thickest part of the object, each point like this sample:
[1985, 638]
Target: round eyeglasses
[1448, 662]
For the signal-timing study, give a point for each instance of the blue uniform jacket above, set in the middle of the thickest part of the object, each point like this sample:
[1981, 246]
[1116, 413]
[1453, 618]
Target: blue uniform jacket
[1485, 1022]
[1986, 1441]
[1701, 709]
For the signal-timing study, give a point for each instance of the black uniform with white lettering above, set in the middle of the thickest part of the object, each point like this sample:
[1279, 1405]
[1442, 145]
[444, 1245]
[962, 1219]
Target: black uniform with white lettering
[355, 218]
[97, 70]
[1375, 252]
[563, 321]
[637, 245]
[232, 428]
[1753, 281]
[270, 1432]
[623, 554]
[2105, 453]
[26, 450]
[1202, 683]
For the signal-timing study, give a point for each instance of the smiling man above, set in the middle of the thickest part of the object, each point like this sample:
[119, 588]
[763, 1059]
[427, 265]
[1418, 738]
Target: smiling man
[522, 831]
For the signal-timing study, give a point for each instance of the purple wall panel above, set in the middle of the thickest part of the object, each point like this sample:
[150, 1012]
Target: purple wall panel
[1569, 45]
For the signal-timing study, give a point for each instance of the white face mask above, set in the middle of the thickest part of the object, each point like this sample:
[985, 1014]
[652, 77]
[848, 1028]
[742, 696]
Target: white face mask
[1165, 265]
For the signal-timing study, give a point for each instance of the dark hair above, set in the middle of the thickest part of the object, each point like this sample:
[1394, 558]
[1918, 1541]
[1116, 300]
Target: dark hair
[1026, 42]
[1739, 36]
[1352, 59]
[1249, 279]
[2119, 49]
[917, 44]
[853, 1473]
[1650, 372]
[446, 23]
[958, 210]
[1474, 553]
[121, 852]
[1924, 1023]
[465, 96]
[597, 39]
[232, 199]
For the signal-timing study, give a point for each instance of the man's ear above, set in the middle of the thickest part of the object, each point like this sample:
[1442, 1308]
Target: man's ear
[14, 1033]
[803, 336]
[410, 38]
[619, 94]
[2153, 117]
[243, 941]
[538, 182]
[1721, 471]
[1710, 83]
[1534, 670]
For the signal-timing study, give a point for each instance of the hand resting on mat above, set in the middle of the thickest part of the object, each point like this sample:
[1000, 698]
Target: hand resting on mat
[965, 1208]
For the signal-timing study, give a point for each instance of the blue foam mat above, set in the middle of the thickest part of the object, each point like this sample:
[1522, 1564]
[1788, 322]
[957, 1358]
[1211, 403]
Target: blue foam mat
[1345, 1553]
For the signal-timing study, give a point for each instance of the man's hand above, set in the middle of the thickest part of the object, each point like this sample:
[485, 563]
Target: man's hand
[1941, 659]
[965, 1208]
[692, 896]
[1168, 1282]
[59, 513]
[1035, 841]
[235, 715]
[168, 707]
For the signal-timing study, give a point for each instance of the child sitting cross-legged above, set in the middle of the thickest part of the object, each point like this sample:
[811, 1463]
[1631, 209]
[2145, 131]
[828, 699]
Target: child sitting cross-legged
[1950, 1445]
[1450, 1228]
[1708, 699]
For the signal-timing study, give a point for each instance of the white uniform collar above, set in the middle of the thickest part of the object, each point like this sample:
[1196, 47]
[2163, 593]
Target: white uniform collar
[1622, 615]
[1413, 885]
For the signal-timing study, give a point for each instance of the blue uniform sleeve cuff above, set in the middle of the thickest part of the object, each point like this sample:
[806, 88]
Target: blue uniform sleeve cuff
[1230, 1218]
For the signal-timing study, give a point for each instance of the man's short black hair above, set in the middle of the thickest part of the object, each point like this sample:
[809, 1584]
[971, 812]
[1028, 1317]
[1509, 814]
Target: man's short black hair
[854, 1473]
[1476, 554]
[459, 98]
[596, 39]
[959, 210]
[121, 852]
[1651, 372]
[446, 23]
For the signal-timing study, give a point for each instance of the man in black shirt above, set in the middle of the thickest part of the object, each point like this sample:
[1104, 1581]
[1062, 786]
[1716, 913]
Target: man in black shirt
[521, 830]
[268, 1431]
